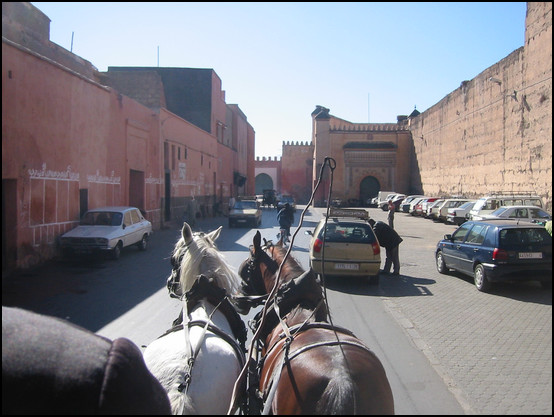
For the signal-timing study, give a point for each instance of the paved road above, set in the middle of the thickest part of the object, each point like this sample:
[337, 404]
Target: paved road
[494, 350]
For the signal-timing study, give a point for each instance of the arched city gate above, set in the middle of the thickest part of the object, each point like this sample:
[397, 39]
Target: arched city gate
[263, 182]
[369, 188]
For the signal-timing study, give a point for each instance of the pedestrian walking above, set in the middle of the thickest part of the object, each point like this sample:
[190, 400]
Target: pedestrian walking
[390, 240]
[390, 216]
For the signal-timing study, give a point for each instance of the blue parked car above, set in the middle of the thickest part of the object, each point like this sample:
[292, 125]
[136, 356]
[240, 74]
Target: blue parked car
[497, 250]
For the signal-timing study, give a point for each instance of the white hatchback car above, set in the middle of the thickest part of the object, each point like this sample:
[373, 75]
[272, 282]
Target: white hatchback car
[107, 230]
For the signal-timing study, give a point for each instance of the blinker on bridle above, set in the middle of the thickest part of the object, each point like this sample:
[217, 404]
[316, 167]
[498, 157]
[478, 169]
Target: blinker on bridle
[252, 264]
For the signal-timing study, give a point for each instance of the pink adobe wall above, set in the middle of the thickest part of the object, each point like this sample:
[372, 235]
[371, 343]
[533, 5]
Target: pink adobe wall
[198, 153]
[225, 186]
[251, 151]
[62, 133]
[296, 174]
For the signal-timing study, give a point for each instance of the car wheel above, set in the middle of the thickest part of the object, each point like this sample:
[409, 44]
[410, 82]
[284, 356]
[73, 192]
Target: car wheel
[143, 244]
[441, 265]
[116, 252]
[374, 280]
[480, 278]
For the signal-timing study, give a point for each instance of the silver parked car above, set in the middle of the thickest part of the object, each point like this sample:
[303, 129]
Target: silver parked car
[459, 215]
[107, 230]
[532, 214]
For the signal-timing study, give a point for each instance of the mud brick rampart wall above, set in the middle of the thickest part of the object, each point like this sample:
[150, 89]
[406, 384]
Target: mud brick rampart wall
[494, 132]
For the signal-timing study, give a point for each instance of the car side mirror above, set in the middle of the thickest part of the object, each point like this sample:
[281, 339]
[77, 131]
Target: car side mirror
[308, 232]
[448, 237]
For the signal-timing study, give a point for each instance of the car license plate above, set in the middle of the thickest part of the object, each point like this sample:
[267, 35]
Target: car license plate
[241, 220]
[348, 267]
[530, 255]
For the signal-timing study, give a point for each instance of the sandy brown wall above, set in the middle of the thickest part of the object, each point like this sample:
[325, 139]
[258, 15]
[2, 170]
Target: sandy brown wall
[495, 131]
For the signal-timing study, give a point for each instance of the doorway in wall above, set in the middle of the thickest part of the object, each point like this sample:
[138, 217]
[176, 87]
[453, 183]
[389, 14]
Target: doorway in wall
[263, 182]
[369, 188]
[136, 189]
[9, 224]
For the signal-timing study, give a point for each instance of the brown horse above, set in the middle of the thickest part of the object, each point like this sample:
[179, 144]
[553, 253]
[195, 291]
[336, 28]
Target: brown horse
[307, 365]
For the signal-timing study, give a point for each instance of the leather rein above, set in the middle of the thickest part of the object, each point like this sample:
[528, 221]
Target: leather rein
[302, 289]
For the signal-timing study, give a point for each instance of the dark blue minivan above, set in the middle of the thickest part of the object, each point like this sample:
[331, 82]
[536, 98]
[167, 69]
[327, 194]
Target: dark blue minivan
[497, 250]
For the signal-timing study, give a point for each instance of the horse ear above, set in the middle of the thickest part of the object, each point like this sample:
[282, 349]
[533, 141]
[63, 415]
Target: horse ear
[187, 233]
[213, 235]
[257, 241]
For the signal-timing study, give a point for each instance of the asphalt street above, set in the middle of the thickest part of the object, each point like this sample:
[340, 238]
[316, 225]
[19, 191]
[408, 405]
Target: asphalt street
[493, 350]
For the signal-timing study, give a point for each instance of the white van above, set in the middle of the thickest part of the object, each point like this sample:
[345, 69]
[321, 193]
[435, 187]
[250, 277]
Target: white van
[487, 204]
[383, 198]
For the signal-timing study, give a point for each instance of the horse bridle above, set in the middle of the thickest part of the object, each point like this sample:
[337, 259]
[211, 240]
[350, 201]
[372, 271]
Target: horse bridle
[250, 273]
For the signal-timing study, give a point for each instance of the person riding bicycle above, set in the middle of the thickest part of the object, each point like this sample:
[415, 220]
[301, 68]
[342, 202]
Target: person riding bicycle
[286, 219]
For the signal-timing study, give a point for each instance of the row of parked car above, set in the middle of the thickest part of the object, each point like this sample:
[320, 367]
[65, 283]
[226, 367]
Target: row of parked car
[457, 210]
[501, 236]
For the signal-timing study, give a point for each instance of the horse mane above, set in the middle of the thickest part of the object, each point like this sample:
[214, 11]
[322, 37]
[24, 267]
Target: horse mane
[291, 268]
[201, 252]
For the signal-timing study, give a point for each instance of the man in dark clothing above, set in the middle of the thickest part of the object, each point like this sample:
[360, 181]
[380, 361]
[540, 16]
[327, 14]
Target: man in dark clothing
[286, 219]
[51, 366]
[390, 240]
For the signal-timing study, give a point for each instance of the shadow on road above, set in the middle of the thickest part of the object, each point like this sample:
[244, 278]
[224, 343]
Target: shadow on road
[389, 286]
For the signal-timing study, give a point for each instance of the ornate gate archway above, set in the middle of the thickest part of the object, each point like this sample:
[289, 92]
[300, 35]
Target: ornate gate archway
[369, 188]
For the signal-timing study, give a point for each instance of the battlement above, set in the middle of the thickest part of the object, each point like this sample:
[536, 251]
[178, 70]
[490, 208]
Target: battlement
[268, 159]
[368, 127]
[292, 143]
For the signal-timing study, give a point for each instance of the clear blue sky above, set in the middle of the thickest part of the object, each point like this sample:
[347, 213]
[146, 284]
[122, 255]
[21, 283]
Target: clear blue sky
[277, 61]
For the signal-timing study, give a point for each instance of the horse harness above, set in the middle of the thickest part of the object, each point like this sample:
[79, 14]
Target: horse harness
[206, 288]
[299, 290]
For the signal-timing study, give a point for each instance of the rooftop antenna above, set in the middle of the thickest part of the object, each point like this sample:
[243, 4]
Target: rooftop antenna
[368, 107]
[72, 33]
[158, 56]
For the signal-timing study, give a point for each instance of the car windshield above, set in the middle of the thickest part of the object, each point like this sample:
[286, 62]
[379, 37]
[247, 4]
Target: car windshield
[522, 238]
[242, 205]
[467, 205]
[499, 211]
[348, 233]
[101, 218]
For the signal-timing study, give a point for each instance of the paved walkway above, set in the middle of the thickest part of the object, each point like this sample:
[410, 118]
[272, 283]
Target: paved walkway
[494, 350]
